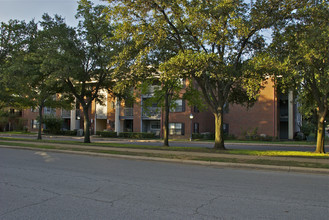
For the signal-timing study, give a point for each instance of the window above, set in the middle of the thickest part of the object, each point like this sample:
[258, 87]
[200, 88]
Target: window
[34, 109]
[196, 128]
[226, 128]
[195, 109]
[178, 106]
[112, 105]
[49, 111]
[155, 125]
[226, 108]
[176, 128]
[129, 104]
[182, 82]
[34, 124]
[148, 104]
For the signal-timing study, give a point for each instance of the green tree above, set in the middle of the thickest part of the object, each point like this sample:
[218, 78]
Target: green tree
[139, 61]
[164, 95]
[37, 86]
[53, 124]
[302, 55]
[214, 43]
[169, 92]
[13, 36]
[83, 57]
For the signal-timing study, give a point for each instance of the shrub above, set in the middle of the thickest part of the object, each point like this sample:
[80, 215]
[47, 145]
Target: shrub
[197, 136]
[264, 138]
[53, 124]
[252, 134]
[204, 136]
[307, 128]
[69, 133]
[20, 124]
[311, 137]
[46, 131]
[136, 135]
[229, 136]
[111, 134]
[299, 136]
[65, 133]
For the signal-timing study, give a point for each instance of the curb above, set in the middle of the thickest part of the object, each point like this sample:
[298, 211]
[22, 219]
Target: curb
[192, 162]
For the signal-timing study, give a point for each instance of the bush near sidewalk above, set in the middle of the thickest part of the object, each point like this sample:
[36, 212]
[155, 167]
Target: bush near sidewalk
[132, 135]
[65, 133]
[111, 134]
[136, 135]
[211, 136]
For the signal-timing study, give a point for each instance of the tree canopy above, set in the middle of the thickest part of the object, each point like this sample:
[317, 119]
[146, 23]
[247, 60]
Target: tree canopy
[214, 43]
[302, 53]
[84, 56]
[13, 39]
[29, 78]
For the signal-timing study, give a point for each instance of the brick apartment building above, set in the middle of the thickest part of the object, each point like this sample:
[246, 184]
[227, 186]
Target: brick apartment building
[274, 115]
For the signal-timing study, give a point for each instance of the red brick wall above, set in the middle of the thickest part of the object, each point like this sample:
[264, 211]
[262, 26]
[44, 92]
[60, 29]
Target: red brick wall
[206, 121]
[110, 113]
[28, 115]
[263, 115]
[137, 116]
[181, 117]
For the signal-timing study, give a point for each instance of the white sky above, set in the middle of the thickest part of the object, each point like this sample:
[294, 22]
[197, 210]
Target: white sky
[34, 9]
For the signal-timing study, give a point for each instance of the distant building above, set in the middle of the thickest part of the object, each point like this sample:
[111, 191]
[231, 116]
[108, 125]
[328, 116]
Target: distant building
[274, 114]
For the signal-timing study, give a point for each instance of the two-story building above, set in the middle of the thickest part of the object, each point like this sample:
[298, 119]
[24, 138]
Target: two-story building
[274, 114]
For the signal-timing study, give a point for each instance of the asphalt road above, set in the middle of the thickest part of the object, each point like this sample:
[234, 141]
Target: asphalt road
[176, 143]
[40, 185]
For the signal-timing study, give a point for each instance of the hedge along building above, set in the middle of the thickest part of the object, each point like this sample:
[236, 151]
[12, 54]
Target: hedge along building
[273, 115]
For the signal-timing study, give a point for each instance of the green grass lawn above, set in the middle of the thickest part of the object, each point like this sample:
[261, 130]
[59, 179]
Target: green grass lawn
[183, 149]
[278, 142]
[18, 132]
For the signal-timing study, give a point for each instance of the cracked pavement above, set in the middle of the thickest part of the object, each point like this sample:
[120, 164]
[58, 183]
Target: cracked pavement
[66, 186]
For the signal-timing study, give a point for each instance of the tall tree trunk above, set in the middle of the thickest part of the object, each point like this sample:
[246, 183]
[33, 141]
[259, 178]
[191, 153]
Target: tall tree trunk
[86, 125]
[40, 122]
[166, 122]
[321, 132]
[219, 132]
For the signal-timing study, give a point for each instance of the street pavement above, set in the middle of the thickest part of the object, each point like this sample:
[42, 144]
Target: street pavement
[251, 146]
[46, 185]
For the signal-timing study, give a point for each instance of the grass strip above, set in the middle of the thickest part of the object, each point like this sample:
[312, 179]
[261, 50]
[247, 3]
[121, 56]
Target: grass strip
[272, 153]
[18, 132]
[173, 156]
[278, 142]
[268, 162]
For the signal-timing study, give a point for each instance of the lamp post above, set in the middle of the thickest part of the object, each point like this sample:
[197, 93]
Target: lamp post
[191, 117]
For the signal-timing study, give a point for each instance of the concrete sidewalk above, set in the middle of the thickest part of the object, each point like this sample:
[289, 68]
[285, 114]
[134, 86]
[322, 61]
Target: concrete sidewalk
[164, 155]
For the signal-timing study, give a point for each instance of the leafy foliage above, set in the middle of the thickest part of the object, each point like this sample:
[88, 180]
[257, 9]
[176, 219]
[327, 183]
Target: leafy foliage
[83, 56]
[301, 50]
[14, 37]
[212, 42]
[53, 124]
